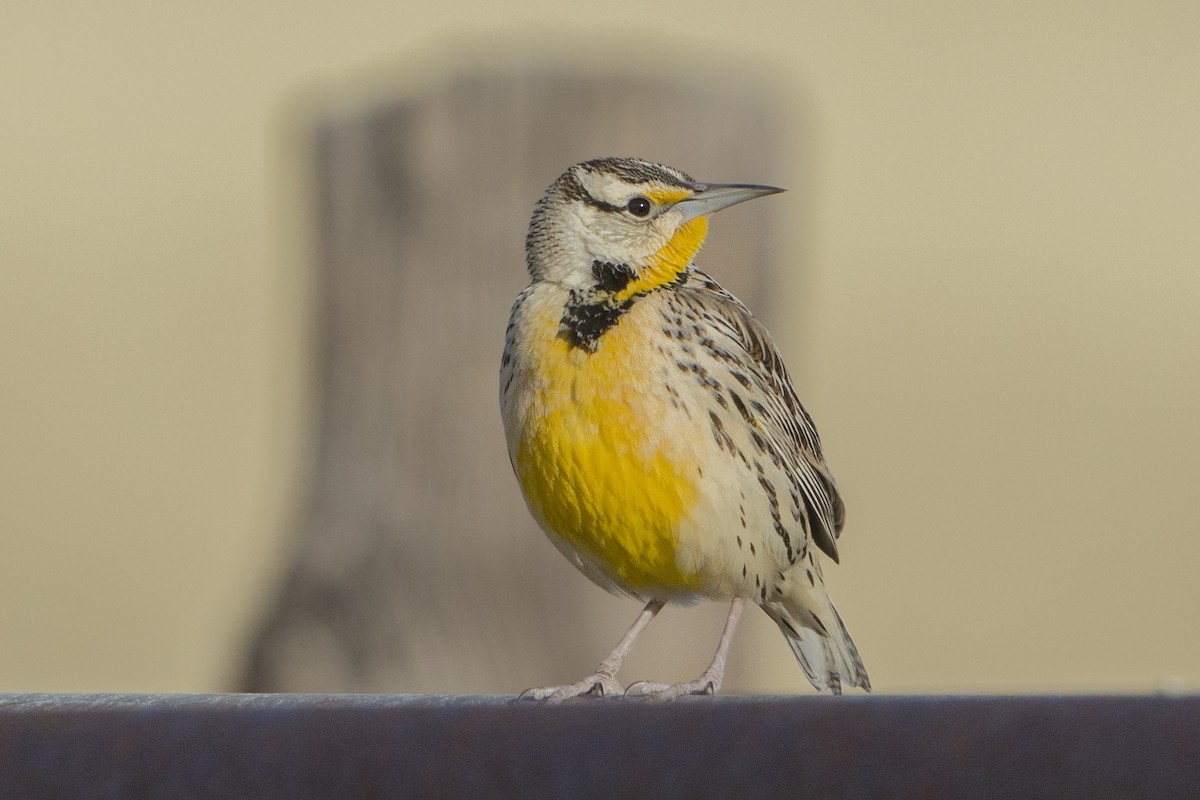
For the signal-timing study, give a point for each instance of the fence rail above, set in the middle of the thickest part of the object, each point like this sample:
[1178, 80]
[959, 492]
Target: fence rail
[365, 746]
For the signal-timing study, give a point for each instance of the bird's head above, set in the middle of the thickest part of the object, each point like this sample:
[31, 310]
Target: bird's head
[624, 225]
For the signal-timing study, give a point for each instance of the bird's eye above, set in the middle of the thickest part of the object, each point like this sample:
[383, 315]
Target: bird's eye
[639, 206]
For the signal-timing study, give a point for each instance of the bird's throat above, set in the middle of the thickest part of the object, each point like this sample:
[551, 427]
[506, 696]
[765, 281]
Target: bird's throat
[670, 261]
[588, 315]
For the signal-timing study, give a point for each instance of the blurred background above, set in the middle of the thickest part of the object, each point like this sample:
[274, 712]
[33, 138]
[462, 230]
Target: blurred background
[985, 278]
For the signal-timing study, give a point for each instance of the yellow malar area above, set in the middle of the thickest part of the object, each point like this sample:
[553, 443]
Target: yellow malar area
[587, 469]
[674, 257]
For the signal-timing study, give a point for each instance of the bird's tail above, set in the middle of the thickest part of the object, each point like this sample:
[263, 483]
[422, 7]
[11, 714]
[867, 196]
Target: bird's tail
[819, 639]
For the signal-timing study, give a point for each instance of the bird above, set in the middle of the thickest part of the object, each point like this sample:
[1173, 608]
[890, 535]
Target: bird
[654, 430]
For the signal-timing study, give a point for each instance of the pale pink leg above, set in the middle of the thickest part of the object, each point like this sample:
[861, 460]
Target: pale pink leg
[709, 681]
[603, 681]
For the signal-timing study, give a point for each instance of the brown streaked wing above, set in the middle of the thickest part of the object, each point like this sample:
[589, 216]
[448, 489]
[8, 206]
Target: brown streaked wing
[785, 419]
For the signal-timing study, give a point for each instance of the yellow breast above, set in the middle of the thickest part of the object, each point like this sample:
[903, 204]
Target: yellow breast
[597, 463]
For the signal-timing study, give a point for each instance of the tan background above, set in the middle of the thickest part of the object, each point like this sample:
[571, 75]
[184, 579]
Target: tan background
[998, 328]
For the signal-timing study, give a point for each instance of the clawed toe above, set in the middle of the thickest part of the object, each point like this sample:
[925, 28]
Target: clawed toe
[598, 685]
[663, 691]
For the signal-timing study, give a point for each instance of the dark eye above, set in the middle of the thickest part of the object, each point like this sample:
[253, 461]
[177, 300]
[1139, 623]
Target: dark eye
[639, 206]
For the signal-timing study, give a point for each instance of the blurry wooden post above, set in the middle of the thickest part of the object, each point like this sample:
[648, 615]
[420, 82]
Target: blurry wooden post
[415, 565]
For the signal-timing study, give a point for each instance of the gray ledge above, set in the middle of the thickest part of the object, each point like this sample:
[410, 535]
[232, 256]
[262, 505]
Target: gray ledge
[360, 746]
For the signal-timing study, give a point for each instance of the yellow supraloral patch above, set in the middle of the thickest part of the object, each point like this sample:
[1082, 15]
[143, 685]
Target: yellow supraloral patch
[665, 197]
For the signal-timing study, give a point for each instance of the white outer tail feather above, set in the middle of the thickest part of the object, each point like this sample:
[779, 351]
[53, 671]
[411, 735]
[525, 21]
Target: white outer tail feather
[828, 657]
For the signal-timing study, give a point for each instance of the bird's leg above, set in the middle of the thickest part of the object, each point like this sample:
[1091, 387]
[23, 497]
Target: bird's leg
[709, 681]
[603, 682]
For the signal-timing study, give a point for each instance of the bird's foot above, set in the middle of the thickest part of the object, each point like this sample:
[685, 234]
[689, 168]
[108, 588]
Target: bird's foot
[705, 684]
[598, 684]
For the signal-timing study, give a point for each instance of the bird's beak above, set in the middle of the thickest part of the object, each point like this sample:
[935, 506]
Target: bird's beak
[710, 197]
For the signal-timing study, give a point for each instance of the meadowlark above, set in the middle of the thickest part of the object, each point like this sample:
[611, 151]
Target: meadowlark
[654, 429]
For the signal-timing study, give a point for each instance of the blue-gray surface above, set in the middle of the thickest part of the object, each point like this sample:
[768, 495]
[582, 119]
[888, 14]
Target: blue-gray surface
[367, 746]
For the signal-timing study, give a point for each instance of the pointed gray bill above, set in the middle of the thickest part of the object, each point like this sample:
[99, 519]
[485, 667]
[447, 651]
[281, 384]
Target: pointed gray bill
[711, 197]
